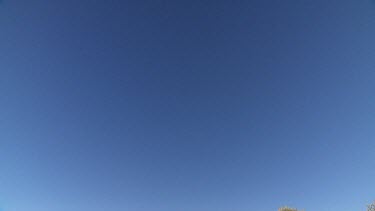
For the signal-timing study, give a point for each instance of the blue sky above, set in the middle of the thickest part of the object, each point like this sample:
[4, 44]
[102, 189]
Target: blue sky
[156, 105]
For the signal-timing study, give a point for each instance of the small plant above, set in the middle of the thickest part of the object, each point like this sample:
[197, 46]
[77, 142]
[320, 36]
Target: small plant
[287, 209]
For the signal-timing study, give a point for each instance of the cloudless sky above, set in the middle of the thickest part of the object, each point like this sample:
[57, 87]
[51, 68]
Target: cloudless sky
[199, 105]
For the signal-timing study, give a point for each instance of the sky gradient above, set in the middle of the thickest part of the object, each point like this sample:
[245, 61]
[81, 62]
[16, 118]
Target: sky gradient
[157, 105]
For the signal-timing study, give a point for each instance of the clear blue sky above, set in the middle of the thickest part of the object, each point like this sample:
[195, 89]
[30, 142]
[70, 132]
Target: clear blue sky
[199, 105]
